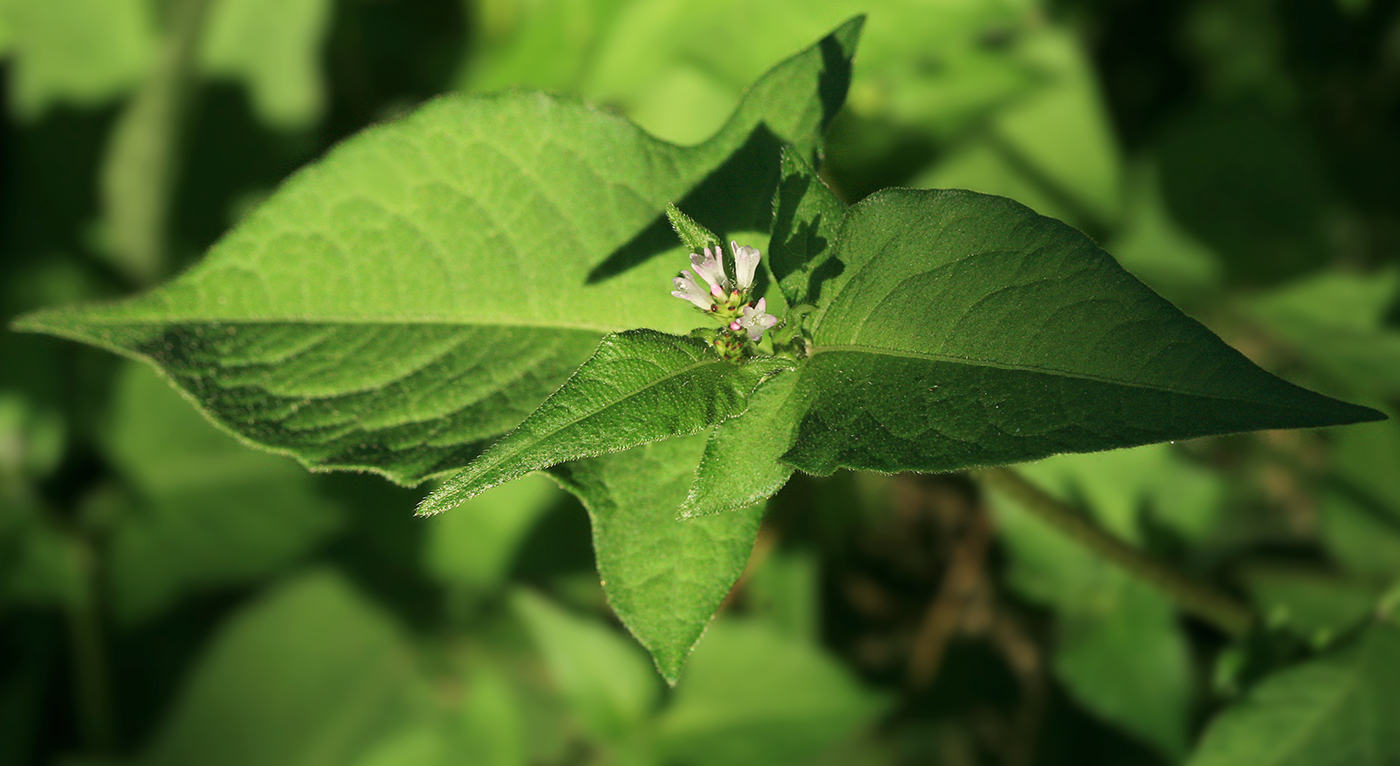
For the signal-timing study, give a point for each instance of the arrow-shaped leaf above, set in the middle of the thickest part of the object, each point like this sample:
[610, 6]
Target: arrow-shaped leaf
[964, 329]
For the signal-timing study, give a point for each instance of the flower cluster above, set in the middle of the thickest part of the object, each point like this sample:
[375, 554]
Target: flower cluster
[725, 300]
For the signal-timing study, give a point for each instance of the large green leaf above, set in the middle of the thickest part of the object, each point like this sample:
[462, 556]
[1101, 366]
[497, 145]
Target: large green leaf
[640, 386]
[664, 576]
[964, 329]
[1338, 710]
[310, 674]
[430, 281]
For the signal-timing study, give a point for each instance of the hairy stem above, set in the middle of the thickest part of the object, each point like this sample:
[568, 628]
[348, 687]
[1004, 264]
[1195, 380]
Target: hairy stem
[1192, 596]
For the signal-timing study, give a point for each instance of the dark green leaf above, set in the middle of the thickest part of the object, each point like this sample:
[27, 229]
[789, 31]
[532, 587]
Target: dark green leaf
[743, 460]
[664, 576]
[640, 386]
[806, 216]
[967, 330]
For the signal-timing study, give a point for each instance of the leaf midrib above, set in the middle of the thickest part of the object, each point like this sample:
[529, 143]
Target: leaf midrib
[973, 362]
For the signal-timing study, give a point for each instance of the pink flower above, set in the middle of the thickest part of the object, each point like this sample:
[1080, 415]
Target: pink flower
[755, 321]
[689, 290]
[710, 267]
[745, 264]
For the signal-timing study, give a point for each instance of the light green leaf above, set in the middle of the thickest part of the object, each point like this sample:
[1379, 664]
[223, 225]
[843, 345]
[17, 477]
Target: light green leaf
[786, 590]
[1363, 538]
[605, 678]
[1052, 150]
[753, 696]
[486, 730]
[430, 281]
[475, 544]
[1336, 322]
[1062, 132]
[926, 62]
[82, 52]
[543, 44]
[695, 237]
[275, 47]
[1317, 606]
[664, 576]
[1152, 246]
[1337, 710]
[640, 386]
[1122, 485]
[209, 512]
[31, 439]
[310, 674]
[1364, 458]
[490, 729]
[966, 330]
[423, 744]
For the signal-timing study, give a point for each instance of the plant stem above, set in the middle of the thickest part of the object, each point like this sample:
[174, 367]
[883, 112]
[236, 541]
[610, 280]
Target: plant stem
[90, 691]
[1192, 596]
[138, 172]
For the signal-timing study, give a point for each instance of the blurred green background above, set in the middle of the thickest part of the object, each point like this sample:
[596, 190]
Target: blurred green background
[168, 596]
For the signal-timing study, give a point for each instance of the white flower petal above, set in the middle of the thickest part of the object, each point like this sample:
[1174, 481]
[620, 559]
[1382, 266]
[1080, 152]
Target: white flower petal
[710, 267]
[689, 290]
[745, 264]
[755, 321]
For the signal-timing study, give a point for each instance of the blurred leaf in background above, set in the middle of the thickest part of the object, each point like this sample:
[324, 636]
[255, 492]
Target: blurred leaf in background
[205, 511]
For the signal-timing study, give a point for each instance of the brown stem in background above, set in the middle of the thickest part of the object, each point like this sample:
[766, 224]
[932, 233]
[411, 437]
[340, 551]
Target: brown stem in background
[963, 582]
[1191, 596]
[1023, 656]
